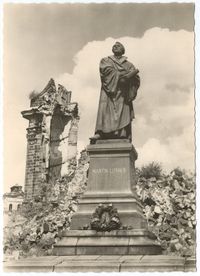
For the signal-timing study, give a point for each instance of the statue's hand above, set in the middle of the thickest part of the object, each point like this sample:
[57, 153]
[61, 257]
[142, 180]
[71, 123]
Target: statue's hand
[122, 74]
[131, 74]
[122, 80]
[112, 95]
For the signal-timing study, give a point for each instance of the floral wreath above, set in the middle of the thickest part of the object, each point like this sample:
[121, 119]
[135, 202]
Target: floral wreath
[105, 218]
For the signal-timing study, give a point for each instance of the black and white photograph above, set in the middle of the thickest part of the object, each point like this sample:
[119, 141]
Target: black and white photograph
[99, 136]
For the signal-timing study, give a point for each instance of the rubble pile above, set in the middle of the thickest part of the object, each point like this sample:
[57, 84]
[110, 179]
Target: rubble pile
[34, 229]
[169, 206]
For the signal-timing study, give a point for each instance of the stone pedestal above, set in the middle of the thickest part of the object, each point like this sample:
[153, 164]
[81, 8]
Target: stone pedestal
[111, 179]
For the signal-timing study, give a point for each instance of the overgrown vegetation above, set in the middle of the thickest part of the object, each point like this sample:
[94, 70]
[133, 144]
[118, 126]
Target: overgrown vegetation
[168, 200]
[151, 170]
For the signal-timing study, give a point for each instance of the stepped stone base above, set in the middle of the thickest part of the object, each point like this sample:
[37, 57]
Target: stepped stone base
[103, 263]
[118, 242]
[111, 180]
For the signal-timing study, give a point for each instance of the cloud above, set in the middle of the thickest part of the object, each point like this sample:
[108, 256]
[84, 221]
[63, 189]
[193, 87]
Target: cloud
[163, 128]
[177, 152]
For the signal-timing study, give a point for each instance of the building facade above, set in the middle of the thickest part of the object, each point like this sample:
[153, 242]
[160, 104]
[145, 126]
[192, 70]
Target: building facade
[13, 200]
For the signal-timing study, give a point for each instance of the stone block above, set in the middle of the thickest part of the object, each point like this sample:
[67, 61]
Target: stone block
[131, 258]
[64, 250]
[31, 266]
[85, 257]
[103, 241]
[61, 259]
[106, 250]
[151, 249]
[69, 240]
[52, 259]
[118, 242]
[154, 263]
[109, 258]
[87, 267]
[113, 233]
[190, 264]
[129, 209]
[138, 267]
[101, 263]
[111, 167]
[66, 246]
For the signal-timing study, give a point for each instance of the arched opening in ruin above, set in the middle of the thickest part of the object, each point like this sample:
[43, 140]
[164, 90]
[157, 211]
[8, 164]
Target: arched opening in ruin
[56, 159]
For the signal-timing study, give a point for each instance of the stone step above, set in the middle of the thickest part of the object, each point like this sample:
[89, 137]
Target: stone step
[103, 263]
[114, 233]
[118, 242]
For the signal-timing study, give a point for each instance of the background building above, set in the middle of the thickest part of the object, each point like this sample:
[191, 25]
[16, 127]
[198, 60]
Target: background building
[13, 200]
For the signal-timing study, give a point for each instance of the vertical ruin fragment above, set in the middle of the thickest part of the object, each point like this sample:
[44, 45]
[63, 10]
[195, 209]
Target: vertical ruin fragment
[51, 137]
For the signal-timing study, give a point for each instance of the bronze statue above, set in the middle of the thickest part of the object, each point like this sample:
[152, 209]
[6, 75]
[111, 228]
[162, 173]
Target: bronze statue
[120, 82]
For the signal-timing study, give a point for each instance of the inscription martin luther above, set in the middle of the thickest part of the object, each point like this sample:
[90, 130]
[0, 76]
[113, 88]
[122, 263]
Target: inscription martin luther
[110, 170]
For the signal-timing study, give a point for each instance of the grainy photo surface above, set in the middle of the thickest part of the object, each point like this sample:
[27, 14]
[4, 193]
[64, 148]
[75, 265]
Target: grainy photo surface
[99, 143]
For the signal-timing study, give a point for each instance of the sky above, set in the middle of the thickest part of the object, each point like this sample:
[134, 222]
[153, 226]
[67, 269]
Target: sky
[67, 41]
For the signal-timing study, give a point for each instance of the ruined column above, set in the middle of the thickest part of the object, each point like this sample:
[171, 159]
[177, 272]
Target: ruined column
[52, 118]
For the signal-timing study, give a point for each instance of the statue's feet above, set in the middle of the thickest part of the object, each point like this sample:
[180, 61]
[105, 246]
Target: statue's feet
[94, 138]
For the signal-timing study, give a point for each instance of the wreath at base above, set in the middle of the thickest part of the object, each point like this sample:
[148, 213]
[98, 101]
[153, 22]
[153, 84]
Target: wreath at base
[105, 218]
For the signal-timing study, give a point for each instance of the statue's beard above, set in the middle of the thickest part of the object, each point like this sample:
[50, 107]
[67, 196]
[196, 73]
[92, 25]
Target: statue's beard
[117, 54]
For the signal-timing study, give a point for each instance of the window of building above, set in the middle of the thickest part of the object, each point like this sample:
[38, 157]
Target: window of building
[10, 207]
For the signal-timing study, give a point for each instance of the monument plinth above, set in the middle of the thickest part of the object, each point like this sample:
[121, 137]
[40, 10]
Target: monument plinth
[111, 180]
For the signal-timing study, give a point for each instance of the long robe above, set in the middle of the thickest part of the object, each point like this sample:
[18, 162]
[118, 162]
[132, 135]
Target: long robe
[115, 110]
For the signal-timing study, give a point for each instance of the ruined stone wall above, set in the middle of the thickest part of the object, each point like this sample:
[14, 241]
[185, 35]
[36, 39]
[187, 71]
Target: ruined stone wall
[33, 158]
[51, 137]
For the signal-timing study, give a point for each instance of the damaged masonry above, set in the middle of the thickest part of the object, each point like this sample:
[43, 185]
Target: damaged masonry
[51, 137]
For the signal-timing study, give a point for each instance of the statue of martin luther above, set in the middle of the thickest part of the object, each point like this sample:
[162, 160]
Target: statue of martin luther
[119, 84]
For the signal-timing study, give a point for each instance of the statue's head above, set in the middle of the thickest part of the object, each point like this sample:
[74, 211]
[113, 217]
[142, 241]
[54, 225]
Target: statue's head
[118, 49]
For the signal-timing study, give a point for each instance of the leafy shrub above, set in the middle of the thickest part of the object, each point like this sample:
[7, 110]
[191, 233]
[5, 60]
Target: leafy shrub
[151, 170]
